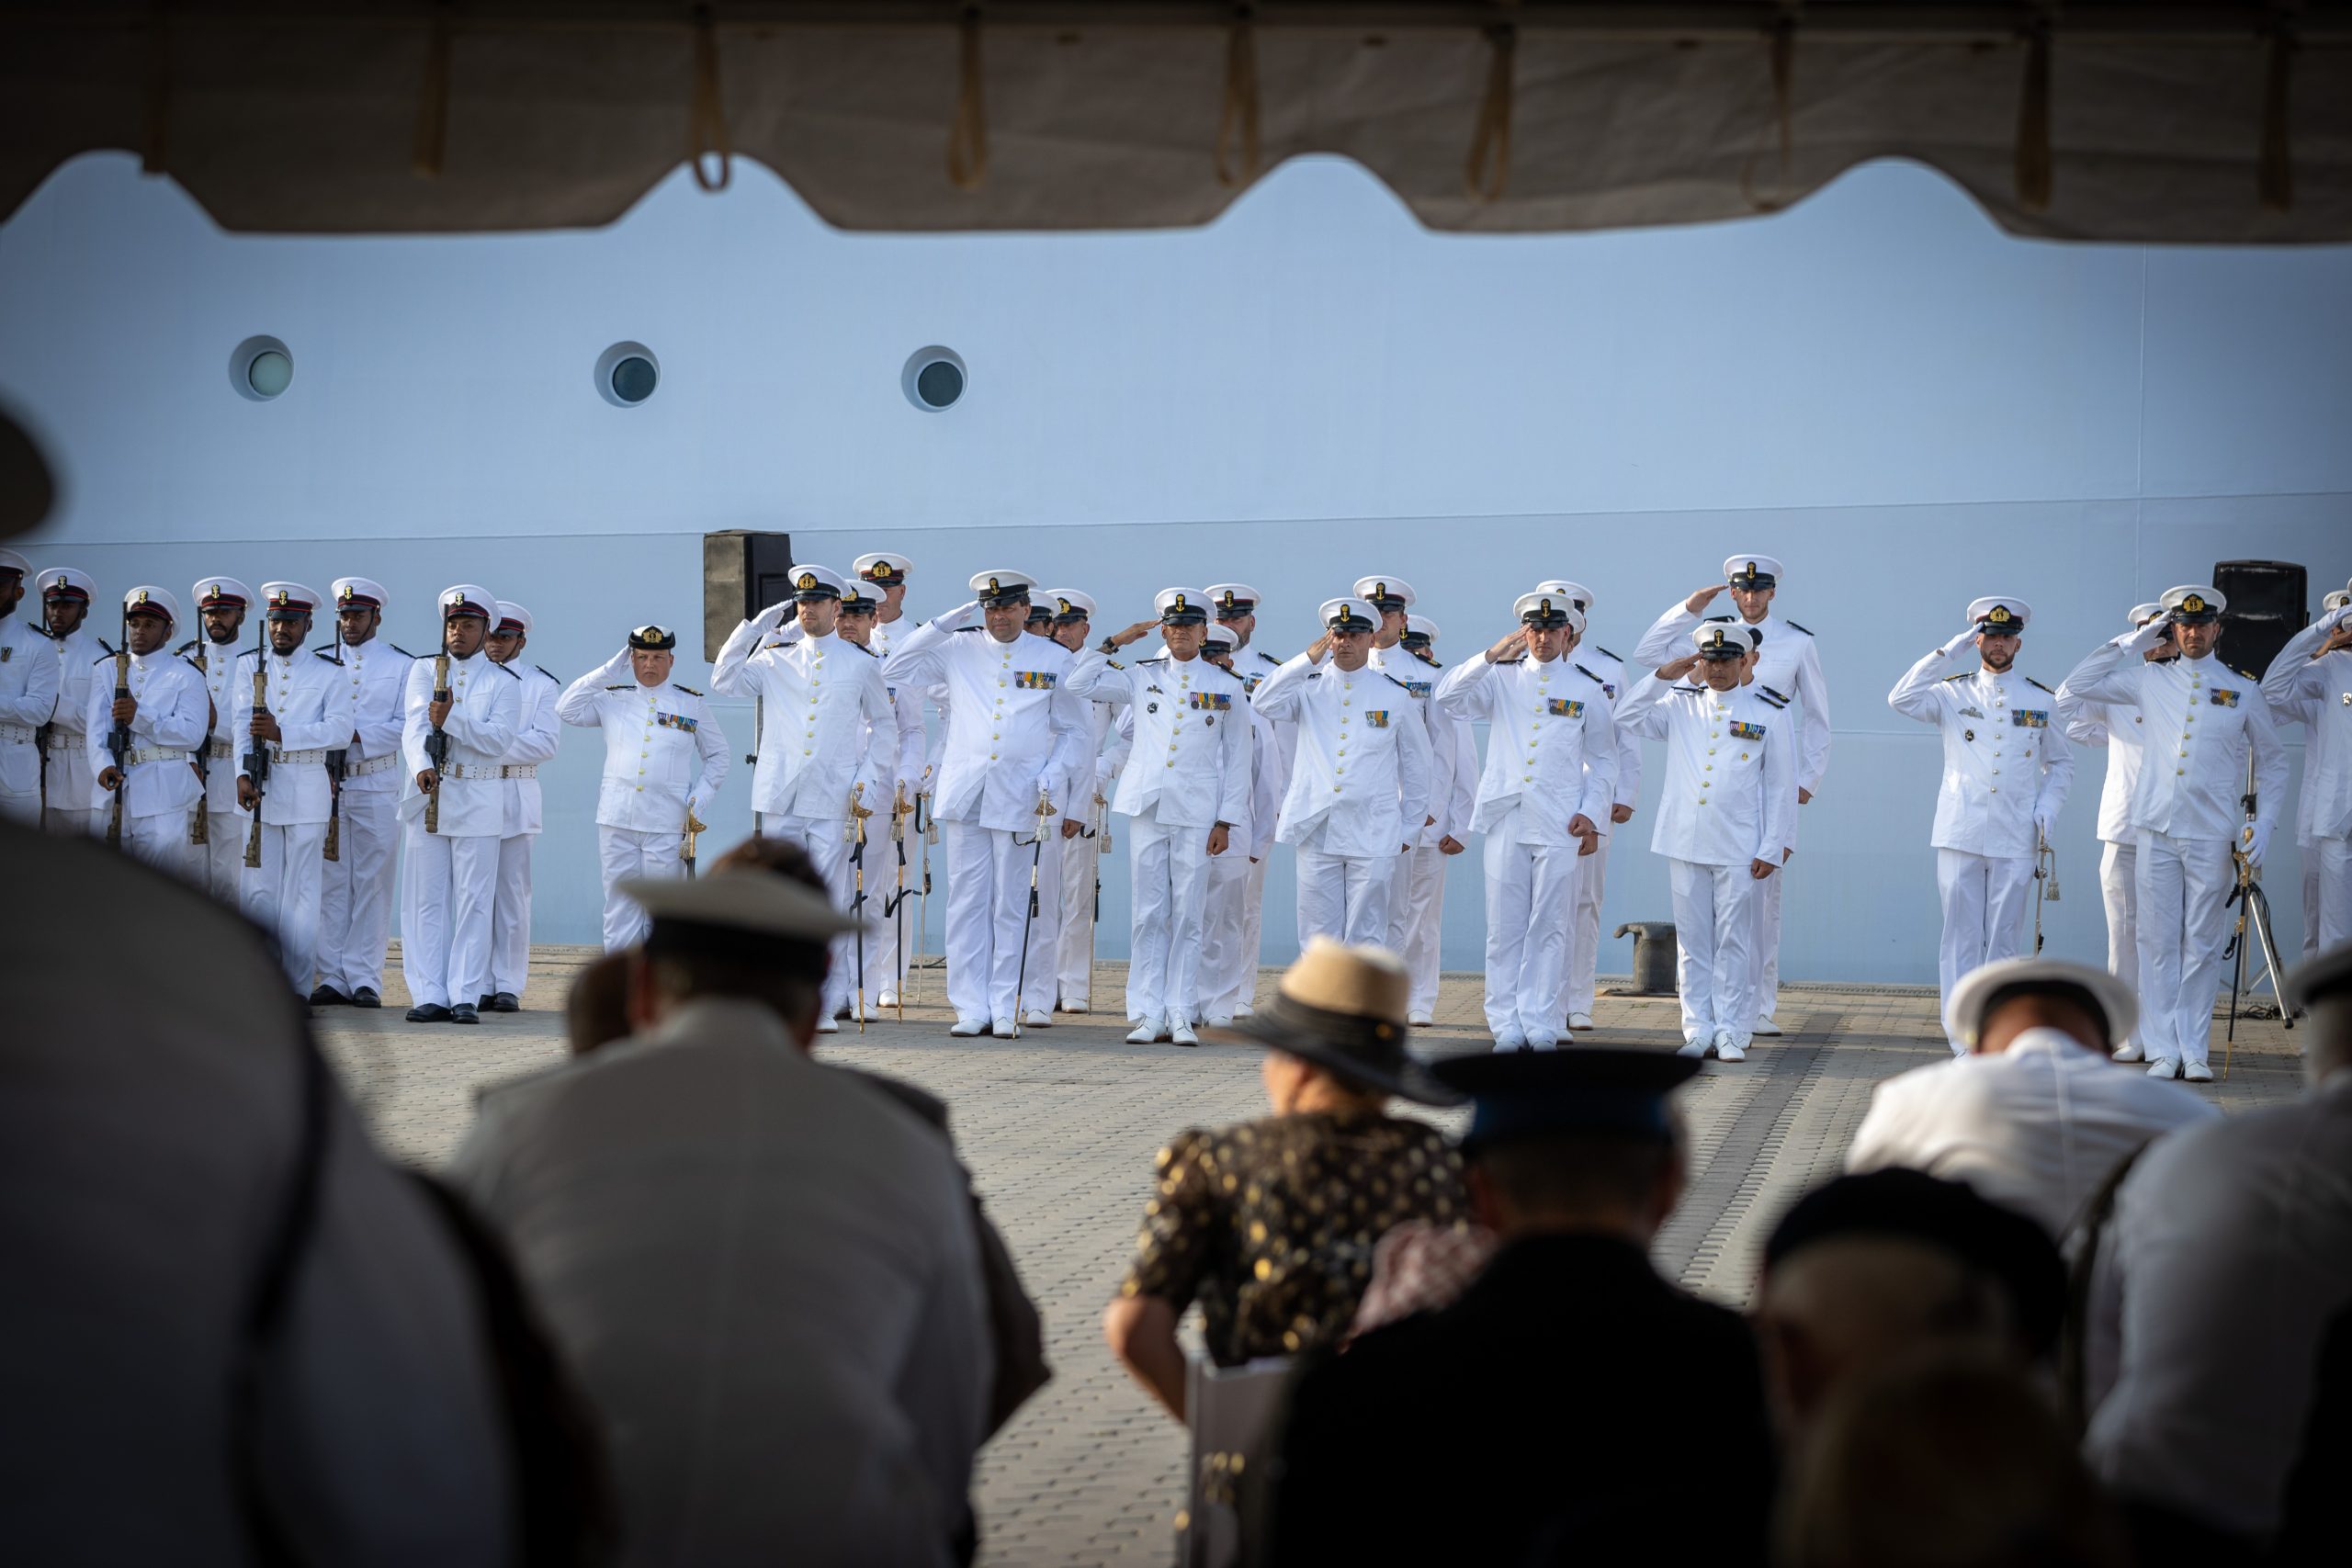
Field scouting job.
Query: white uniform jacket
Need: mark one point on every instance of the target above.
(310, 699)
(378, 674)
(1265, 797)
(2202, 719)
(2006, 764)
(1253, 666)
(164, 732)
(1551, 744)
(1787, 661)
(2321, 690)
(217, 664)
(28, 679)
(821, 695)
(1730, 794)
(1362, 768)
(648, 789)
(1617, 678)
(1193, 736)
(1011, 725)
(536, 733)
(2121, 730)
(486, 699)
(1453, 748)
(71, 785)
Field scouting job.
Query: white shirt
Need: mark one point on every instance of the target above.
(1253, 666)
(2006, 762)
(164, 732)
(1730, 795)
(2037, 1127)
(2319, 691)
(380, 673)
(820, 696)
(1360, 782)
(485, 700)
(1453, 748)
(70, 784)
(2230, 1249)
(652, 735)
(1551, 744)
(536, 736)
(217, 663)
(1189, 761)
(1012, 727)
(1616, 678)
(310, 699)
(2202, 718)
(1786, 662)
(2122, 731)
(28, 679)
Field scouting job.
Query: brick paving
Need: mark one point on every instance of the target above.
(1059, 1129)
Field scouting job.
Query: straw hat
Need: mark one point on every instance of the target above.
(1344, 1007)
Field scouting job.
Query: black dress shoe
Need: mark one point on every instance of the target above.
(429, 1012)
(461, 1014)
(328, 997)
(366, 997)
(485, 1002)
(504, 1002)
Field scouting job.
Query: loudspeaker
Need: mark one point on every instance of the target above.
(2266, 600)
(743, 573)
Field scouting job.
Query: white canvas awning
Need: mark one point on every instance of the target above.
(2091, 120)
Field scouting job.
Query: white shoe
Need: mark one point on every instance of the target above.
(1580, 1020)
(1418, 1019)
(1765, 1026)
(1729, 1050)
(964, 1028)
(1541, 1041)
(1180, 1032)
(2198, 1072)
(886, 997)
(2164, 1067)
(1002, 1028)
(1036, 1018)
(1078, 1006)
(2127, 1052)
(1219, 1021)
(1511, 1039)
(825, 1024)
(1698, 1048)
(1242, 1009)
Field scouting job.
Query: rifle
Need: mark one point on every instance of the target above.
(338, 759)
(118, 738)
(437, 745)
(200, 829)
(40, 747)
(1037, 858)
(258, 760)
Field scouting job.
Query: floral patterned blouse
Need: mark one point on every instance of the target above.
(1270, 1224)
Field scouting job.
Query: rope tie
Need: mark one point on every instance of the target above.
(433, 98)
(706, 112)
(1239, 115)
(2034, 160)
(967, 132)
(155, 141)
(1487, 169)
(2276, 179)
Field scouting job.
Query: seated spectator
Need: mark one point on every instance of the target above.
(1567, 1404)
(764, 1270)
(1270, 1224)
(595, 1011)
(1867, 1270)
(2228, 1256)
(1954, 1462)
(2036, 1116)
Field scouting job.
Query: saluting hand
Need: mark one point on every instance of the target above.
(1510, 647)
(1697, 604)
(1679, 669)
(1133, 634)
(1319, 648)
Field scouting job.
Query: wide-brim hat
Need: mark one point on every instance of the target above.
(2110, 997)
(1344, 1007)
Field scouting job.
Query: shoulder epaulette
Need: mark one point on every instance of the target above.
(2243, 674)
(1690, 691)
(1962, 676)
(961, 630)
(1780, 697)
(181, 649)
(1606, 654)
(1430, 661)
(404, 652)
(862, 649)
(504, 669)
(109, 646)
(102, 658)
(624, 686)
(1514, 658)
(1141, 662)
(1396, 683)
(548, 673)
(1712, 619)
(688, 690)
(330, 658)
(2039, 686)
(249, 653)
(1264, 655)
(1808, 630)
(1591, 676)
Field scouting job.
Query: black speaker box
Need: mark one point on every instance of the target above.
(2267, 601)
(743, 573)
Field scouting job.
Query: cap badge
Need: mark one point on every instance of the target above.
(214, 591)
(807, 580)
(2000, 615)
(1546, 607)
(281, 597)
(2193, 604)
(992, 587)
(1380, 591)
(1228, 598)
(141, 599)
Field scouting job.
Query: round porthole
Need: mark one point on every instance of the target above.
(261, 368)
(626, 374)
(935, 378)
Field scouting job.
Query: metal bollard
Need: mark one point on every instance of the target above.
(1655, 951)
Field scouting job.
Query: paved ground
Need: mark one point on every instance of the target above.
(1060, 1130)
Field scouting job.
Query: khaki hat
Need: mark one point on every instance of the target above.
(1344, 1007)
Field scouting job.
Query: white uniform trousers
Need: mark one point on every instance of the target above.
(2116, 872)
(21, 806)
(988, 904)
(1584, 937)
(281, 894)
(885, 956)
(220, 861)
(1416, 911)
(1169, 870)
(1253, 935)
(1073, 952)
(447, 892)
(2334, 858)
(626, 852)
(1229, 969)
(1713, 928)
(830, 852)
(2184, 924)
(69, 820)
(1764, 947)
(1984, 900)
(1530, 895)
(161, 840)
(354, 893)
(1344, 896)
(510, 918)
(2311, 902)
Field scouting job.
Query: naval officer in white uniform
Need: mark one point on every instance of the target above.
(1082, 847)
(1234, 607)
(306, 712)
(2311, 679)
(1012, 757)
(1550, 772)
(219, 862)
(1360, 781)
(68, 789)
(537, 733)
(2007, 771)
(1592, 874)
(1787, 665)
(892, 754)
(1184, 790)
(1228, 967)
(1723, 820)
(165, 713)
(2121, 730)
(355, 904)
(28, 678)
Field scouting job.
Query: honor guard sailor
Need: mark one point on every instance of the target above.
(1360, 781)
(893, 752)
(1592, 873)
(160, 722)
(1233, 984)
(1185, 786)
(649, 801)
(1058, 850)
(306, 712)
(2315, 804)
(816, 773)
(535, 734)
(1550, 772)
(29, 682)
(2190, 816)
(2007, 770)
(1788, 666)
(2121, 730)
(1010, 763)
(221, 604)
(1227, 971)
(1081, 851)
(2310, 680)
(453, 804)
(1723, 820)
(355, 902)
(68, 789)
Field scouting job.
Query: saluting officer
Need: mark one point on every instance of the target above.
(894, 754)
(650, 796)
(885, 572)
(29, 682)
(220, 861)
(2190, 816)
(1730, 787)
(535, 734)
(1010, 765)
(816, 772)
(1185, 786)
(1228, 972)
(1234, 606)
(2310, 680)
(1360, 781)
(1592, 872)
(451, 885)
(1082, 832)
(355, 899)
(308, 713)
(2121, 730)
(67, 788)
(1787, 665)
(164, 713)
(1550, 772)
(2007, 770)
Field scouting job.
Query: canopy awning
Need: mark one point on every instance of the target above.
(2090, 120)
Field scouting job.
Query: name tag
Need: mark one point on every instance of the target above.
(2224, 698)
(2029, 719)
(675, 721)
(1376, 717)
(1564, 707)
(1033, 680)
(1746, 732)
(1217, 702)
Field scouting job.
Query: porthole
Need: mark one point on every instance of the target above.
(261, 368)
(935, 378)
(626, 374)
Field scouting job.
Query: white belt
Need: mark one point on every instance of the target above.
(520, 771)
(157, 754)
(217, 748)
(472, 771)
(16, 734)
(317, 754)
(367, 765)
